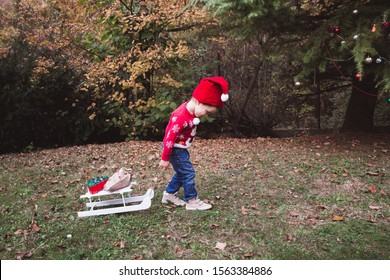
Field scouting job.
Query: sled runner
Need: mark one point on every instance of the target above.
(123, 203)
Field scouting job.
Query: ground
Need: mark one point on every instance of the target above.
(308, 197)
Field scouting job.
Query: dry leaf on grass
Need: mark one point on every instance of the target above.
(320, 207)
(19, 231)
(220, 246)
(34, 226)
(337, 218)
(244, 211)
(372, 189)
(179, 250)
(21, 256)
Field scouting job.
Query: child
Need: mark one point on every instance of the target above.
(210, 94)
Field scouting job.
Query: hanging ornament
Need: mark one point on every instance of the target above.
(368, 60)
(333, 29)
(373, 29)
(355, 37)
(358, 76)
(355, 12)
(378, 60)
(385, 25)
(297, 83)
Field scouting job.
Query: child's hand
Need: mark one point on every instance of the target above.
(164, 164)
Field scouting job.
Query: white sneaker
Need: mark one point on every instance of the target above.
(197, 204)
(171, 197)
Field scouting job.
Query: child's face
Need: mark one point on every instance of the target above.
(204, 110)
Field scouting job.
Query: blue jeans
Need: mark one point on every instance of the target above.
(185, 174)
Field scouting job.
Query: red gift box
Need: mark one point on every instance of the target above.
(98, 187)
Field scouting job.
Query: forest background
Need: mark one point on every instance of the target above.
(78, 71)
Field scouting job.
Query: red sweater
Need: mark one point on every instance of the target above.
(180, 131)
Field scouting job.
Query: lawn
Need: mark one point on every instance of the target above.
(301, 198)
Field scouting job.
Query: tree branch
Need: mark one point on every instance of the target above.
(130, 9)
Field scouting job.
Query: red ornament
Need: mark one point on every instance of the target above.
(333, 29)
(358, 76)
(385, 25)
(373, 29)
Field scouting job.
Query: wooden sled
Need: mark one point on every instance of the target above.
(125, 203)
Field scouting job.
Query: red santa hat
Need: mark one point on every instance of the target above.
(212, 91)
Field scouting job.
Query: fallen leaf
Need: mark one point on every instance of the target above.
(372, 189)
(19, 231)
(179, 250)
(122, 244)
(375, 207)
(244, 211)
(248, 255)
(372, 173)
(35, 227)
(220, 246)
(138, 258)
(288, 237)
(339, 240)
(383, 193)
(21, 256)
(320, 207)
(337, 218)
(214, 226)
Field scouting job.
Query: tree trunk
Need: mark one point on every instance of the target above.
(360, 112)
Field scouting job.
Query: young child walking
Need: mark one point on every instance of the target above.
(208, 96)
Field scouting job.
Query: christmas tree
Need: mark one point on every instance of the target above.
(343, 42)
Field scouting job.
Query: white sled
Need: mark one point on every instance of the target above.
(123, 203)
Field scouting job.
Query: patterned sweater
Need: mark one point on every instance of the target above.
(180, 131)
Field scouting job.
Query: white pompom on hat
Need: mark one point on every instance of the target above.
(212, 91)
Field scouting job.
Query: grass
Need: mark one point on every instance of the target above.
(272, 199)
